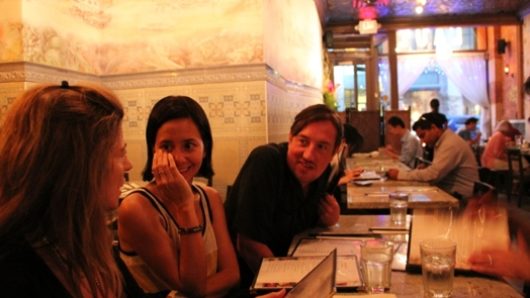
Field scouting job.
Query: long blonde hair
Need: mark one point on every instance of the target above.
(55, 146)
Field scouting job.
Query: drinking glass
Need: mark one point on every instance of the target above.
(398, 207)
(438, 267)
(376, 264)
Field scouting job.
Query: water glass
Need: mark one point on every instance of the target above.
(438, 267)
(376, 265)
(398, 207)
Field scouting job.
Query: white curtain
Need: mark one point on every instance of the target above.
(384, 77)
(409, 69)
(468, 74)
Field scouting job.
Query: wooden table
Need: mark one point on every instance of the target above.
(421, 195)
(375, 195)
(405, 284)
(375, 163)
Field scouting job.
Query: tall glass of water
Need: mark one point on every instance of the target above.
(398, 207)
(376, 264)
(438, 267)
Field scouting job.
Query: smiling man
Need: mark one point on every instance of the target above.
(454, 167)
(280, 190)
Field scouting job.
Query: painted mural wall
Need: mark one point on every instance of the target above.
(107, 37)
(150, 35)
(293, 40)
(10, 31)
(62, 34)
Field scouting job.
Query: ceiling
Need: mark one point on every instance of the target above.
(339, 17)
(401, 12)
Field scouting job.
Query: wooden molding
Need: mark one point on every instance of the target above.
(433, 21)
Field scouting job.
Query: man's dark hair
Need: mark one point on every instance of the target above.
(428, 119)
(435, 104)
(353, 138)
(471, 120)
(396, 121)
(315, 113)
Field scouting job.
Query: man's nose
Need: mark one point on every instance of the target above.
(310, 152)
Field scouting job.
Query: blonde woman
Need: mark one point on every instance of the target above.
(62, 162)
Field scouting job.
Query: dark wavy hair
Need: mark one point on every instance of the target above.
(178, 107)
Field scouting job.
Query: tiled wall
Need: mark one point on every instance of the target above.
(257, 109)
(247, 106)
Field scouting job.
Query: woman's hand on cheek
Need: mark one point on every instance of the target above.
(170, 183)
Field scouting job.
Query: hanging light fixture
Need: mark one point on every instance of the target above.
(367, 12)
(420, 6)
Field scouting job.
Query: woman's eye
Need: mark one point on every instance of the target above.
(189, 146)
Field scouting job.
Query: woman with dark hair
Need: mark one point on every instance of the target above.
(173, 234)
(62, 162)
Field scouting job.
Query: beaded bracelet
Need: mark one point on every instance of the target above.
(192, 230)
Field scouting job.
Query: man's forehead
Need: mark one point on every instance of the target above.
(320, 129)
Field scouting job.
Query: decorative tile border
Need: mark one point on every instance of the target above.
(36, 73)
(247, 105)
(31, 72)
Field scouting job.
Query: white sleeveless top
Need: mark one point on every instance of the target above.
(144, 276)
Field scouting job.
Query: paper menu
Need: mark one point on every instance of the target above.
(321, 246)
(285, 272)
(348, 249)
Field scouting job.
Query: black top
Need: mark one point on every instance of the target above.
(24, 274)
(267, 203)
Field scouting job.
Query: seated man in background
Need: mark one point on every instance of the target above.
(410, 144)
(281, 190)
(470, 133)
(428, 151)
(454, 167)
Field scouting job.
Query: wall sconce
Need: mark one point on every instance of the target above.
(506, 69)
